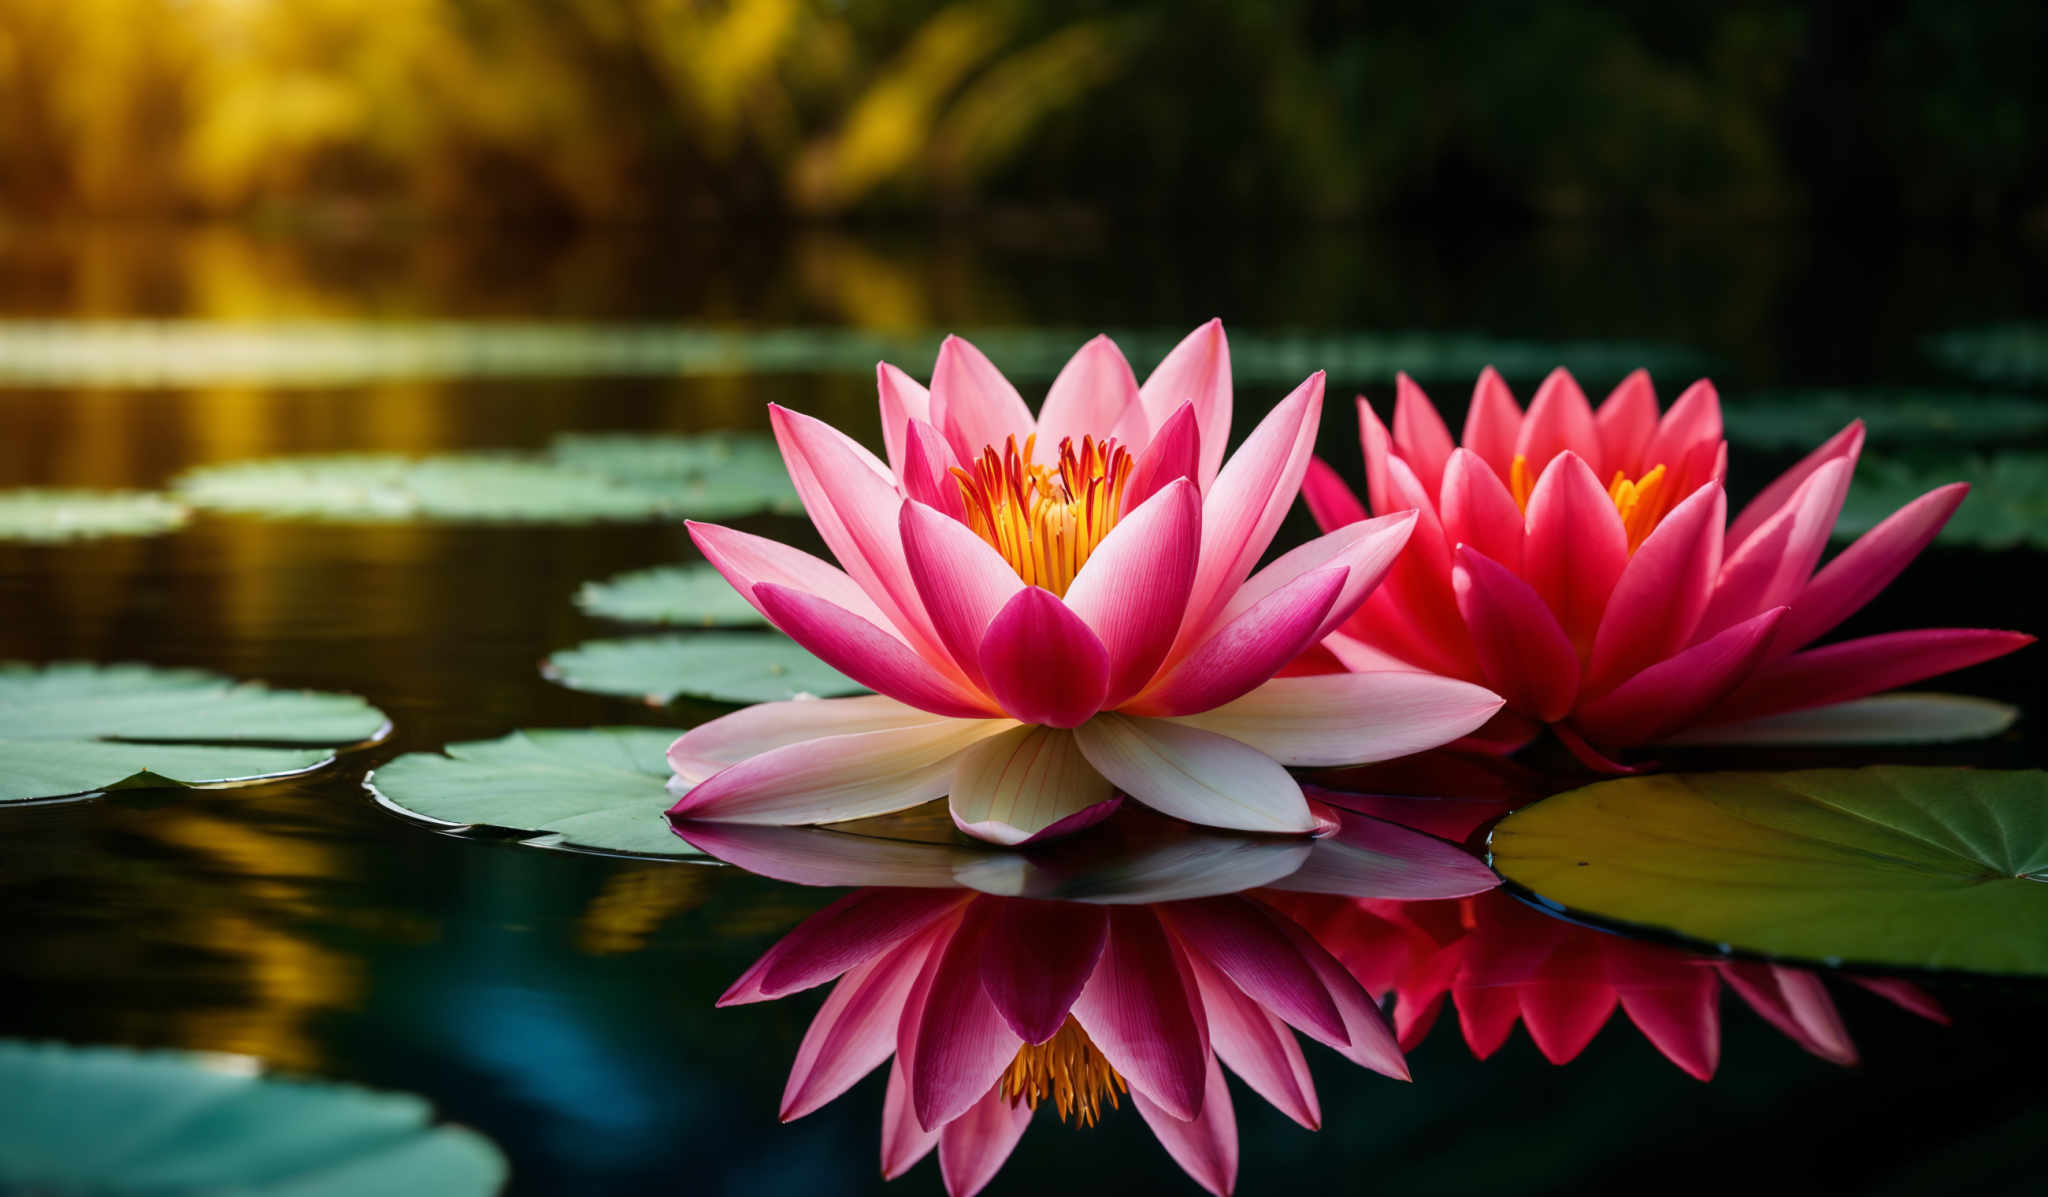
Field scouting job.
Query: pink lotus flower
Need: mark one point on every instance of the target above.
(1058, 608)
(1499, 962)
(995, 1007)
(1582, 564)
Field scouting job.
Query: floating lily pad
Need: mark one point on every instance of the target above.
(602, 788)
(58, 515)
(706, 475)
(735, 667)
(79, 728)
(109, 1120)
(1896, 867)
(1908, 718)
(2007, 507)
(2012, 353)
(694, 594)
(1802, 419)
(376, 487)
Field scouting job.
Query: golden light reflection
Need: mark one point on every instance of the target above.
(634, 903)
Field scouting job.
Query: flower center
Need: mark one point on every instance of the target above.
(1069, 1069)
(1640, 501)
(1045, 520)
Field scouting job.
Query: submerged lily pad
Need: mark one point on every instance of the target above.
(80, 728)
(380, 487)
(2000, 353)
(693, 594)
(110, 1120)
(735, 667)
(1802, 419)
(2007, 507)
(58, 515)
(601, 788)
(1895, 867)
(705, 475)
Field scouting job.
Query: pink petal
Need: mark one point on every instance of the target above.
(1477, 510)
(1487, 1016)
(815, 856)
(903, 399)
(730, 739)
(1194, 775)
(1257, 1046)
(1246, 503)
(1175, 452)
(1248, 650)
(1042, 663)
(1367, 548)
(1845, 444)
(954, 1041)
(1493, 424)
(927, 470)
(1377, 444)
(973, 404)
(972, 1147)
(1205, 1147)
(1093, 391)
(1560, 420)
(1853, 668)
(1674, 692)
(1905, 995)
(1626, 421)
(1038, 958)
(1019, 786)
(1681, 1021)
(834, 778)
(1419, 433)
(1197, 371)
(1133, 589)
(961, 581)
(1141, 1014)
(1373, 858)
(1694, 422)
(1661, 594)
(1368, 1038)
(747, 560)
(867, 654)
(1576, 548)
(1865, 568)
(1563, 1016)
(1525, 653)
(853, 931)
(1773, 566)
(1330, 501)
(1241, 939)
(855, 1030)
(1794, 1001)
(904, 1142)
(1325, 720)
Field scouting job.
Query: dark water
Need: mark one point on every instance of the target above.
(561, 1003)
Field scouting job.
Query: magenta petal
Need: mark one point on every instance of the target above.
(1905, 995)
(1042, 662)
(847, 933)
(1486, 1015)
(1133, 589)
(1368, 1036)
(1853, 668)
(1368, 549)
(1196, 371)
(1240, 939)
(1038, 957)
(973, 404)
(1693, 423)
(1558, 420)
(927, 467)
(1660, 596)
(1206, 1146)
(962, 582)
(751, 731)
(1670, 694)
(1330, 502)
(1138, 1010)
(956, 1042)
(1682, 1021)
(1493, 424)
(1419, 433)
(1865, 568)
(903, 399)
(1477, 510)
(1175, 452)
(1627, 420)
(1576, 548)
(972, 1147)
(1775, 563)
(747, 560)
(1526, 655)
(1797, 1003)
(1377, 445)
(855, 1029)
(904, 1142)
(1257, 1046)
(1847, 443)
(1089, 397)
(1249, 649)
(866, 653)
(1563, 1016)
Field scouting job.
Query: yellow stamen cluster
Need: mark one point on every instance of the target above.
(1640, 502)
(1069, 1069)
(1045, 520)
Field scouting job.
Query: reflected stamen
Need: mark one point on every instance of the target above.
(1045, 521)
(1069, 1069)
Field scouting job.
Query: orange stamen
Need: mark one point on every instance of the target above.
(1045, 521)
(1640, 502)
(1069, 1069)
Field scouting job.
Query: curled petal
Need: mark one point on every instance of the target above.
(1661, 594)
(1773, 566)
(1847, 443)
(1249, 649)
(1324, 720)
(1175, 452)
(1026, 784)
(1367, 548)
(1195, 775)
(1042, 663)
(1197, 371)
(927, 467)
(1133, 589)
(1088, 398)
(867, 654)
(1797, 1003)
(834, 778)
(972, 403)
(1522, 648)
(1859, 572)
(747, 560)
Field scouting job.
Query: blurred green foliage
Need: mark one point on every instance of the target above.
(603, 109)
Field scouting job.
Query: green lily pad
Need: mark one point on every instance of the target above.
(1799, 420)
(59, 515)
(693, 594)
(734, 667)
(706, 476)
(1912, 717)
(1891, 867)
(373, 487)
(76, 728)
(110, 1120)
(2007, 507)
(601, 788)
(2010, 353)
